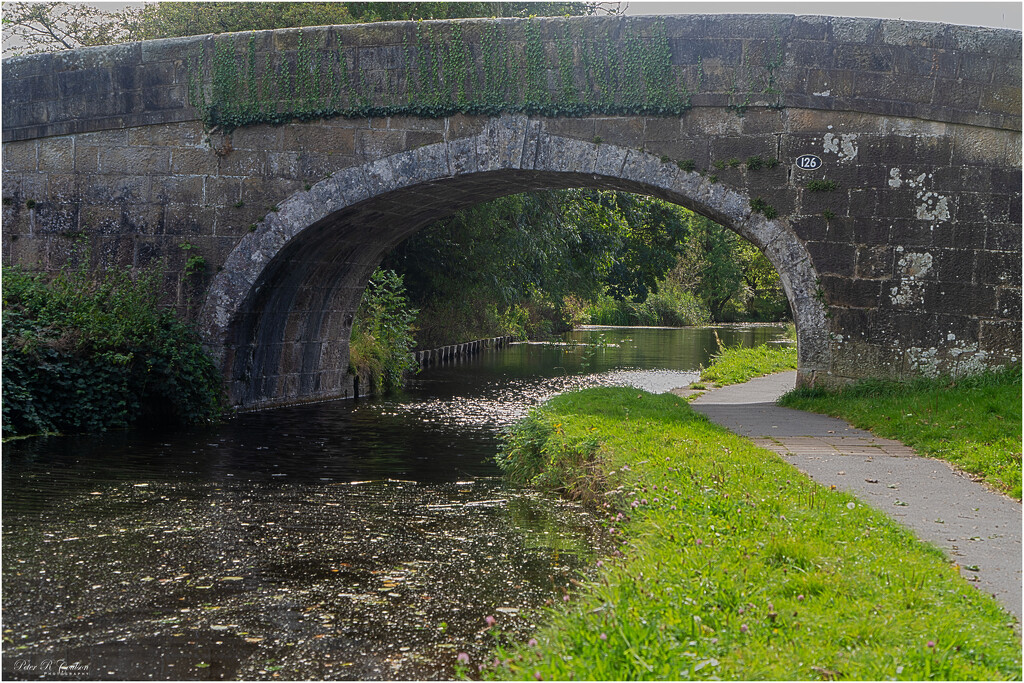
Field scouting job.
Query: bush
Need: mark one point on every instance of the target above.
(87, 352)
(381, 342)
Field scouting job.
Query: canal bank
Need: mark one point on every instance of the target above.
(734, 565)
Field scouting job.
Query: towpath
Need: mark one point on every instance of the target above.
(979, 529)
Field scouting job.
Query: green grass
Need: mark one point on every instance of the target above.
(736, 364)
(733, 565)
(973, 422)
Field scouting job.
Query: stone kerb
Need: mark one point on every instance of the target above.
(513, 144)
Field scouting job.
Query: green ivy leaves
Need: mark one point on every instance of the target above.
(441, 73)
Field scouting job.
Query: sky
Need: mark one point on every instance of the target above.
(997, 14)
(994, 14)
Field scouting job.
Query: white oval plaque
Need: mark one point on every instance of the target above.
(808, 162)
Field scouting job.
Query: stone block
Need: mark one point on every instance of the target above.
(832, 258)
(1002, 338)
(57, 154)
(819, 202)
(851, 292)
(1001, 98)
(19, 156)
(958, 94)
(624, 131)
(139, 160)
(1008, 303)
(27, 252)
(954, 265)
(461, 125)
(313, 136)
(114, 252)
(377, 144)
(1003, 237)
(194, 161)
(874, 263)
(109, 189)
(973, 145)
(177, 190)
(188, 221)
(245, 163)
(959, 235)
(998, 268)
(962, 298)
(104, 220)
(185, 134)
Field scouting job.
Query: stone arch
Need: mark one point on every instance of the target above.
(278, 315)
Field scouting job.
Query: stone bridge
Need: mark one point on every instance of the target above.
(876, 163)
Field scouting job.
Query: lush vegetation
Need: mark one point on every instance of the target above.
(51, 26)
(381, 341)
(533, 264)
(736, 364)
(89, 352)
(730, 564)
(973, 422)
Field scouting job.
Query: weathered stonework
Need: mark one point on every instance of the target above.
(911, 264)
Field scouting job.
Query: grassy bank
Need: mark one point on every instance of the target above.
(973, 422)
(735, 365)
(733, 565)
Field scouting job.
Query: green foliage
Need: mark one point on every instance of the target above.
(672, 306)
(730, 277)
(381, 341)
(88, 352)
(596, 75)
(687, 165)
(822, 185)
(524, 254)
(973, 422)
(759, 205)
(536, 451)
(731, 564)
(736, 364)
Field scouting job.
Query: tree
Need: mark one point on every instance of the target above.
(30, 27)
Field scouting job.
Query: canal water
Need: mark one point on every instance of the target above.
(360, 539)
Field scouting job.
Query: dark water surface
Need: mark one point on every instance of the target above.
(343, 540)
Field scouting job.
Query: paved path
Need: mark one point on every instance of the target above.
(979, 529)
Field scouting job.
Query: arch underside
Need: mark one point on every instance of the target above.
(279, 315)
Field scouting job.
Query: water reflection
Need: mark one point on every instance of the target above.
(346, 540)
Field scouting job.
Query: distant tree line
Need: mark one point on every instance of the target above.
(30, 27)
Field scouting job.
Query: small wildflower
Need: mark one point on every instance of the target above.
(463, 658)
(743, 628)
(698, 542)
(600, 563)
(565, 598)
(634, 504)
(673, 507)
(603, 636)
(643, 501)
(537, 676)
(490, 620)
(532, 642)
(800, 598)
(931, 644)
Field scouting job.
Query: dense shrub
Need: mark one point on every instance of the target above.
(381, 340)
(87, 352)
